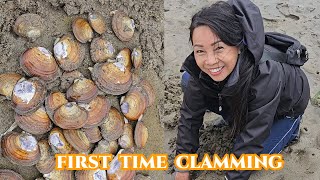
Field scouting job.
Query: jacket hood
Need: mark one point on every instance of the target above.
(251, 20)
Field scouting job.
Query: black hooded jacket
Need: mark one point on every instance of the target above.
(277, 90)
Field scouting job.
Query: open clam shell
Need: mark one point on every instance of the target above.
(28, 95)
(101, 50)
(115, 172)
(47, 162)
(70, 116)
(112, 127)
(7, 83)
(126, 139)
(93, 134)
(20, 148)
(123, 26)
(59, 175)
(91, 175)
(97, 22)
(68, 53)
(136, 57)
(111, 78)
(134, 103)
(82, 90)
(39, 62)
(106, 147)
(98, 110)
(29, 25)
(78, 139)
(140, 134)
(35, 123)
(54, 101)
(82, 30)
(58, 142)
(8, 174)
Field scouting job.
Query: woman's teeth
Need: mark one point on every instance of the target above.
(216, 70)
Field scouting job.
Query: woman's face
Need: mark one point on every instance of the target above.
(213, 57)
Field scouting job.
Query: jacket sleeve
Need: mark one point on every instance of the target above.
(262, 107)
(192, 111)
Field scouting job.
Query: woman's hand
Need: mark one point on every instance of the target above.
(182, 176)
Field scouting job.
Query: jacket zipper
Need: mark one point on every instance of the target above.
(220, 102)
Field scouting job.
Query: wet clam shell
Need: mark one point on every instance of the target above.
(124, 57)
(78, 139)
(93, 134)
(115, 172)
(20, 148)
(54, 101)
(140, 134)
(58, 142)
(101, 50)
(134, 103)
(68, 53)
(126, 140)
(70, 116)
(149, 92)
(112, 79)
(28, 95)
(123, 26)
(97, 22)
(82, 30)
(47, 161)
(91, 175)
(98, 110)
(82, 91)
(59, 175)
(136, 57)
(7, 174)
(7, 83)
(35, 123)
(106, 147)
(112, 127)
(39, 62)
(29, 25)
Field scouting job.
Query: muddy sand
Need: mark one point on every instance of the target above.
(58, 15)
(300, 19)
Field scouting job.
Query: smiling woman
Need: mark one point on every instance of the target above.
(227, 75)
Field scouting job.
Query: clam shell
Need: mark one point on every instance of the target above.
(97, 22)
(47, 161)
(111, 79)
(54, 101)
(39, 62)
(7, 83)
(123, 26)
(29, 25)
(134, 103)
(101, 50)
(148, 89)
(58, 142)
(98, 110)
(70, 116)
(126, 140)
(7, 174)
(67, 78)
(82, 30)
(124, 57)
(20, 148)
(115, 172)
(68, 53)
(140, 134)
(35, 123)
(78, 139)
(59, 175)
(93, 134)
(136, 57)
(28, 95)
(106, 147)
(82, 90)
(112, 127)
(91, 175)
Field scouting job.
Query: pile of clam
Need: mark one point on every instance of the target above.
(79, 120)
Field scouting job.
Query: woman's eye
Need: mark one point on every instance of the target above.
(199, 51)
(219, 48)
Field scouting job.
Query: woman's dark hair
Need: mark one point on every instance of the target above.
(221, 19)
